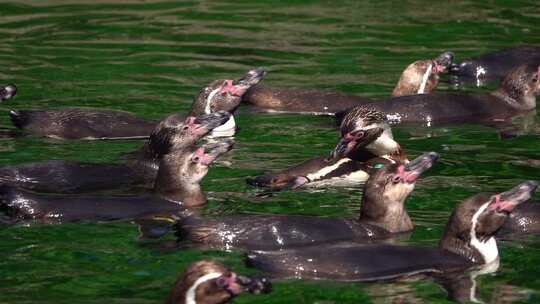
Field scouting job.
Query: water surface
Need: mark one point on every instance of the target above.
(152, 57)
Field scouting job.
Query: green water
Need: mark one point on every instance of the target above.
(151, 57)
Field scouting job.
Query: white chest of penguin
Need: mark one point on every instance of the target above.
(225, 130)
(487, 249)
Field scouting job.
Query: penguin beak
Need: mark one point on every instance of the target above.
(240, 86)
(252, 77)
(443, 62)
(210, 152)
(419, 165)
(507, 201)
(213, 120)
(355, 140)
(254, 285)
(204, 123)
(343, 147)
(277, 182)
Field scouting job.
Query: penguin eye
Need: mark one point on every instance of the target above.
(378, 166)
(396, 179)
(535, 78)
(221, 282)
(195, 159)
(185, 128)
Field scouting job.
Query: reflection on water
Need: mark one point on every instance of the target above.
(152, 57)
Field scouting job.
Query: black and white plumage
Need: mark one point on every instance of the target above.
(467, 242)
(367, 122)
(361, 117)
(382, 215)
(493, 66)
(365, 141)
(92, 123)
(61, 176)
(515, 95)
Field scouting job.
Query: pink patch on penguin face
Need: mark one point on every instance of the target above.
(229, 87)
(197, 129)
(190, 121)
(501, 205)
(201, 157)
(437, 68)
(408, 176)
(229, 283)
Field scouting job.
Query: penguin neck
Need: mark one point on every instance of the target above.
(188, 195)
(173, 187)
(145, 163)
(386, 146)
(468, 245)
(225, 130)
(160, 143)
(417, 78)
(462, 248)
(203, 105)
(380, 210)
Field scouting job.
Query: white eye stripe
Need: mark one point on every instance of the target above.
(190, 294)
(326, 170)
(207, 105)
(425, 79)
(368, 127)
(487, 249)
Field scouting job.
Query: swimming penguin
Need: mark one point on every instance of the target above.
(64, 176)
(420, 77)
(468, 241)
(360, 125)
(209, 282)
(516, 94)
(494, 66)
(320, 171)
(89, 123)
(172, 134)
(177, 187)
(382, 215)
(7, 92)
(372, 142)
